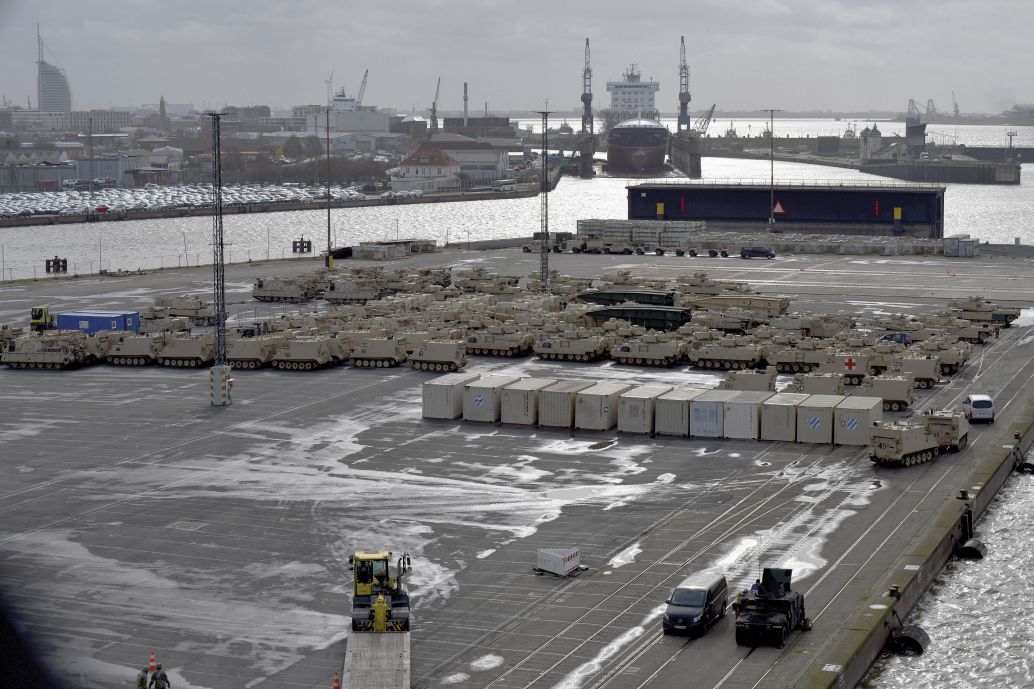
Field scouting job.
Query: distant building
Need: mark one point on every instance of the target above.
(53, 93)
(428, 169)
(482, 161)
(98, 121)
(480, 126)
(306, 110)
(38, 121)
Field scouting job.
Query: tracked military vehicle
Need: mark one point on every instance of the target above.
(572, 345)
(53, 349)
(729, 353)
(894, 390)
(198, 310)
(964, 329)
(817, 384)
(284, 289)
(902, 443)
(379, 352)
(949, 427)
(802, 356)
(926, 370)
(500, 340)
(952, 353)
(351, 291)
(253, 352)
(305, 353)
(982, 311)
(750, 381)
(439, 355)
(138, 350)
(188, 351)
(769, 615)
(650, 349)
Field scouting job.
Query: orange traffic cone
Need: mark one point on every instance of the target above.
(337, 681)
(152, 663)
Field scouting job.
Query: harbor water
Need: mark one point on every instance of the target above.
(997, 214)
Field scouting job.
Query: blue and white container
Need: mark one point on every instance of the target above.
(98, 321)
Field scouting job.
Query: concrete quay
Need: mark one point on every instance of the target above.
(138, 517)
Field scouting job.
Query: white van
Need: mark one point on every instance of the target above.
(979, 408)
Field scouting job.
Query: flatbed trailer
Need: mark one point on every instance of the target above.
(376, 661)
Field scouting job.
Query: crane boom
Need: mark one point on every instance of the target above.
(587, 127)
(684, 97)
(362, 90)
(434, 106)
(703, 121)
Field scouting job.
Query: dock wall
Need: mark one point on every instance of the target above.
(864, 635)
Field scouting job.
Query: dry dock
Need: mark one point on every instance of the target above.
(136, 517)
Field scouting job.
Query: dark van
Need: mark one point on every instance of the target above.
(696, 603)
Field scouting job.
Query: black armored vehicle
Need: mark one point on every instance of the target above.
(768, 615)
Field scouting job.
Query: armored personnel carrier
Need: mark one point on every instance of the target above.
(732, 320)
(572, 345)
(950, 427)
(284, 289)
(305, 353)
(926, 370)
(439, 355)
(500, 340)
(188, 351)
(802, 356)
(699, 284)
(894, 390)
(902, 443)
(253, 352)
(156, 319)
(351, 291)
(953, 355)
(198, 310)
(650, 349)
(812, 325)
(54, 349)
(730, 352)
(381, 352)
(963, 329)
(751, 381)
(817, 384)
(9, 333)
(769, 615)
(885, 355)
(138, 350)
(982, 311)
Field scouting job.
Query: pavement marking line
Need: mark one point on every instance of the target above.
(137, 458)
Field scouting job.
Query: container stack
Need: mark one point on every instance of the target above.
(443, 396)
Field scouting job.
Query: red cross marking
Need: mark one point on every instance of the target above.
(850, 364)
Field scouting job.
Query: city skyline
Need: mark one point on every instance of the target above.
(744, 56)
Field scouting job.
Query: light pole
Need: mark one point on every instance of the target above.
(267, 242)
(771, 167)
(186, 259)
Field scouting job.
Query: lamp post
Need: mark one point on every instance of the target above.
(771, 167)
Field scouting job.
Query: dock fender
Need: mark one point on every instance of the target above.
(1025, 468)
(909, 640)
(971, 549)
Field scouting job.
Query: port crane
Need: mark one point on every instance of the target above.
(684, 96)
(931, 107)
(700, 128)
(434, 106)
(330, 87)
(362, 90)
(587, 147)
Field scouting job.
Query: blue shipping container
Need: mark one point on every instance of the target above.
(96, 321)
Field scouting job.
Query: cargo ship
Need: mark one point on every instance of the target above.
(638, 146)
(636, 141)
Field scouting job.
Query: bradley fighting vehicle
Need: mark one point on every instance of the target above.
(48, 349)
(572, 345)
(770, 614)
(500, 340)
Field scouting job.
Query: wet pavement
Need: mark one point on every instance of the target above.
(135, 516)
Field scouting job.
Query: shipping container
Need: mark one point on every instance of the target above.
(815, 418)
(636, 408)
(596, 408)
(854, 418)
(671, 411)
(443, 396)
(559, 561)
(521, 400)
(556, 403)
(483, 399)
(743, 414)
(779, 416)
(97, 321)
(707, 413)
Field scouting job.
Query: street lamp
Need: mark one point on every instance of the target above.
(771, 167)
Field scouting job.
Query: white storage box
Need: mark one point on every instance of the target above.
(779, 416)
(482, 399)
(815, 418)
(707, 413)
(671, 411)
(556, 403)
(443, 396)
(743, 415)
(560, 561)
(521, 400)
(636, 408)
(854, 418)
(596, 408)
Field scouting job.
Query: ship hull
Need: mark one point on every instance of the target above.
(637, 149)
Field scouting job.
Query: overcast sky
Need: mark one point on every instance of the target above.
(743, 54)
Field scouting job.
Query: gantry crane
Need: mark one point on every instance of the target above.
(587, 147)
(362, 90)
(684, 96)
(434, 106)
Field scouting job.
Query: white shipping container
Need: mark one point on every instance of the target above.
(443, 396)
(596, 408)
(743, 414)
(779, 416)
(854, 418)
(636, 408)
(521, 400)
(815, 418)
(707, 413)
(482, 399)
(671, 411)
(560, 561)
(556, 403)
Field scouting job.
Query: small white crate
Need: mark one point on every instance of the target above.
(559, 561)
